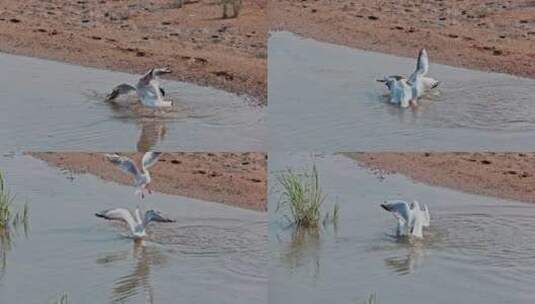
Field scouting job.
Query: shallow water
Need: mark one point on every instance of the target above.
(47, 105)
(477, 249)
(324, 97)
(212, 254)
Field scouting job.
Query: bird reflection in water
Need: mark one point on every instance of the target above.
(151, 122)
(145, 257)
(408, 261)
(152, 133)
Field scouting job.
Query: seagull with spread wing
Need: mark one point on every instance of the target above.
(405, 92)
(148, 89)
(411, 218)
(141, 177)
(136, 224)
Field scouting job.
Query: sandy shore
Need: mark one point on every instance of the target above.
(503, 175)
(133, 36)
(486, 35)
(237, 179)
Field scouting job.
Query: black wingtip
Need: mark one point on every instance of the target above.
(384, 206)
(112, 95)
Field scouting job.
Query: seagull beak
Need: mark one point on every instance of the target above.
(386, 207)
(381, 80)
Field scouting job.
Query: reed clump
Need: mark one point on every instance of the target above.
(302, 198)
(372, 299)
(10, 221)
(63, 299)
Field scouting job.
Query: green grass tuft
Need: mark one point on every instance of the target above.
(8, 217)
(302, 198)
(10, 221)
(6, 200)
(64, 299)
(372, 299)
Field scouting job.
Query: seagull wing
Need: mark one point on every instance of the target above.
(161, 71)
(155, 216)
(426, 216)
(124, 163)
(118, 214)
(399, 209)
(150, 158)
(119, 90)
(153, 74)
(396, 77)
(422, 66)
(145, 79)
(150, 93)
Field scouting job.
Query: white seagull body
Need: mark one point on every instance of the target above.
(411, 218)
(405, 92)
(142, 177)
(135, 223)
(148, 89)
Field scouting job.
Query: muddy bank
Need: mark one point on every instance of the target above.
(194, 40)
(496, 35)
(503, 175)
(232, 178)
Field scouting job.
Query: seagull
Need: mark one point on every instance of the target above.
(405, 92)
(134, 221)
(141, 178)
(147, 88)
(411, 218)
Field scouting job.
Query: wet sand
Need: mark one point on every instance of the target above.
(486, 35)
(237, 179)
(194, 41)
(502, 175)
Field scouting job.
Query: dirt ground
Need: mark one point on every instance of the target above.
(134, 36)
(503, 175)
(237, 179)
(480, 34)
